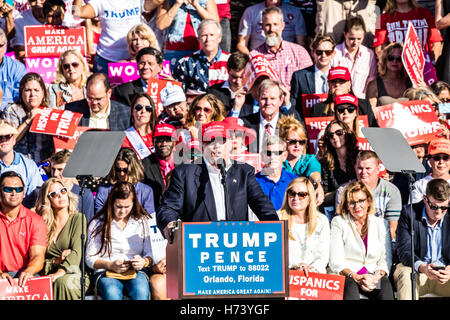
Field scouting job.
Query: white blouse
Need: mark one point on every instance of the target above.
(314, 249)
(125, 243)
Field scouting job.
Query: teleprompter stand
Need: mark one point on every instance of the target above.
(397, 156)
(93, 156)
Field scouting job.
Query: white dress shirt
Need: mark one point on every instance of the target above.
(100, 120)
(262, 127)
(320, 81)
(217, 188)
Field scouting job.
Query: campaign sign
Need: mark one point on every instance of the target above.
(165, 72)
(412, 56)
(235, 259)
(52, 41)
(121, 72)
(56, 122)
(308, 100)
(37, 288)
(68, 143)
(258, 66)
(415, 119)
(154, 89)
(315, 286)
(46, 67)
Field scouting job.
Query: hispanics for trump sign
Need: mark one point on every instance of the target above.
(56, 122)
(154, 89)
(52, 41)
(235, 259)
(38, 288)
(315, 286)
(308, 100)
(412, 56)
(415, 119)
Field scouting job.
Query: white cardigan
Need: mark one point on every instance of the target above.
(347, 249)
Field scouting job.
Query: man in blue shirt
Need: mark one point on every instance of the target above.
(11, 72)
(273, 178)
(432, 244)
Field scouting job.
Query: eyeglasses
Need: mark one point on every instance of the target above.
(361, 202)
(11, 189)
(294, 142)
(338, 132)
(275, 153)
(438, 158)
(61, 191)
(327, 52)
(350, 109)
(124, 170)
(301, 195)
(139, 107)
(66, 66)
(205, 110)
(391, 58)
(434, 207)
(2, 45)
(6, 138)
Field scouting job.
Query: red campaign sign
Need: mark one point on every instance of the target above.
(37, 288)
(315, 286)
(52, 41)
(62, 143)
(253, 159)
(154, 89)
(56, 122)
(412, 56)
(415, 119)
(308, 100)
(256, 67)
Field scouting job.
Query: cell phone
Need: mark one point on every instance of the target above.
(438, 268)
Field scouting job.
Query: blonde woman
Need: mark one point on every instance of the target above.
(69, 85)
(58, 206)
(360, 246)
(140, 36)
(309, 230)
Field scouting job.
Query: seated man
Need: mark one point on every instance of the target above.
(431, 249)
(23, 233)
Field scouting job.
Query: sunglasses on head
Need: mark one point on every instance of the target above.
(438, 158)
(275, 153)
(327, 52)
(300, 194)
(339, 133)
(61, 191)
(11, 189)
(392, 58)
(66, 66)
(341, 109)
(124, 170)
(139, 107)
(294, 142)
(434, 207)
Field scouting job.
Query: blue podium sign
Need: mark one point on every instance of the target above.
(234, 259)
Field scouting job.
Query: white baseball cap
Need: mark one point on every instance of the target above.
(172, 94)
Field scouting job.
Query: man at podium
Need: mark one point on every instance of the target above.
(196, 192)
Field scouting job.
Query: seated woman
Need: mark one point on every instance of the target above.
(202, 110)
(140, 36)
(69, 85)
(360, 247)
(346, 107)
(298, 160)
(309, 230)
(119, 246)
(58, 206)
(442, 90)
(143, 121)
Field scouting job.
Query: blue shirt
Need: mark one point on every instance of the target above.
(275, 190)
(434, 243)
(11, 72)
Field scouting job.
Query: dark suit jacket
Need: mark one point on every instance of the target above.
(125, 92)
(302, 82)
(153, 177)
(420, 235)
(364, 108)
(190, 196)
(224, 95)
(119, 117)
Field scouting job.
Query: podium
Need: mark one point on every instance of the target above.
(228, 259)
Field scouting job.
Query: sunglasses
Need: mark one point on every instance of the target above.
(392, 58)
(205, 110)
(124, 170)
(339, 133)
(6, 138)
(301, 195)
(353, 204)
(434, 208)
(139, 107)
(439, 158)
(61, 191)
(11, 189)
(294, 142)
(66, 66)
(275, 153)
(327, 52)
(350, 109)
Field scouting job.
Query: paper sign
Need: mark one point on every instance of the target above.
(52, 41)
(415, 119)
(429, 72)
(46, 67)
(165, 72)
(256, 67)
(315, 286)
(37, 288)
(308, 100)
(122, 72)
(68, 143)
(412, 56)
(56, 122)
(154, 89)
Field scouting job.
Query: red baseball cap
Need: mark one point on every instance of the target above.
(339, 72)
(212, 130)
(236, 124)
(164, 130)
(439, 145)
(346, 99)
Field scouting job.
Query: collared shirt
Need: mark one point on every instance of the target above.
(262, 128)
(17, 236)
(320, 81)
(289, 58)
(197, 73)
(11, 72)
(362, 70)
(166, 166)
(217, 188)
(144, 85)
(434, 243)
(100, 120)
(27, 169)
(275, 190)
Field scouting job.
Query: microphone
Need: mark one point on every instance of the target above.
(221, 165)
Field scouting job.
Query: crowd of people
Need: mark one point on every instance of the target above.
(224, 141)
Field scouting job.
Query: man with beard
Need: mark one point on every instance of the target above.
(286, 57)
(196, 192)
